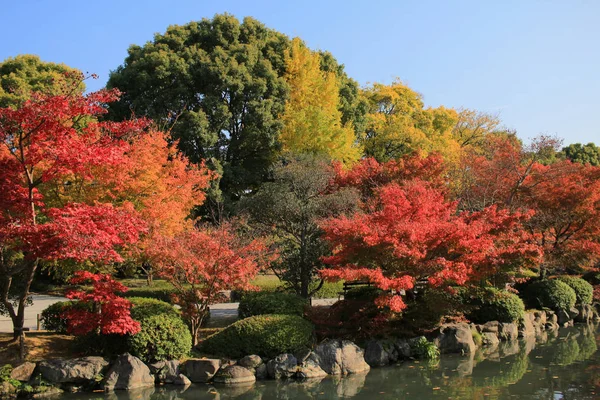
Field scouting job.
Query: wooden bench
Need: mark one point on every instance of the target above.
(350, 285)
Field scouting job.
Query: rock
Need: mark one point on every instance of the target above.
(585, 313)
(76, 370)
(261, 372)
(380, 353)
(551, 326)
(540, 317)
(455, 338)
(126, 373)
(310, 368)
(250, 362)
(573, 312)
(23, 372)
(491, 326)
(403, 349)
(182, 380)
(526, 328)
(551, 317)
(563, 317)
(7, 390)
(341, 357)
(165, 371)
(234, 374)
(508, 331)
(50, 392)
(490, 339)
(282, 367)
(201, 370)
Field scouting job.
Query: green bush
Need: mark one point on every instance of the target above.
(424, 349)
(592, 277)
(143, 307)
(496, 305)
(259, 303)
(266, 335)
(549, 293)
(51, 317)
(163, 337)
(583, 290)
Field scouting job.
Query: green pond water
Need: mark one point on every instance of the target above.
(564, 365)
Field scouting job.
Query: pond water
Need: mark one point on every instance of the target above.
(564, 365)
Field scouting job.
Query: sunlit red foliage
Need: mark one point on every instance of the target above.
(44, 144)
(202, 263)
(408, 231)
(106, 313)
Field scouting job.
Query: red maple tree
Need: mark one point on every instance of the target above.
(107, 313)
(202, 263)
(50, 142)
(409, 231)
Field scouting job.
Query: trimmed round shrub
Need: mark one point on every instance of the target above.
(260, 303)
(584, 292)
(51, 317)
(496, 305)
(143, 307)
(550, 293)
(163, 337)
(266, 335)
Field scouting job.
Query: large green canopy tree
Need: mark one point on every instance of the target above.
(26, 73)
(218, 85)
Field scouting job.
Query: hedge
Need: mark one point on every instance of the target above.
(549, 293)
(266, 335)
(584, 292)
(143, 307)
(259, 303)
(163, 337)
(51, 317)
(496, 305)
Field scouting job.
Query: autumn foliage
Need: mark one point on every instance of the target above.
(409, 231)
(202, 263)
(107, 312)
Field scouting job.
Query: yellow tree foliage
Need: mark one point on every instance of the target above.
(398, 123)
(473, 126)
(312, 119)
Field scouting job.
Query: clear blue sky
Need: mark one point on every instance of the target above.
(536, 63)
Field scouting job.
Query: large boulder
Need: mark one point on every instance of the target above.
(201, 370)
(23, 372)
(182, 380)
(283, 366)
(75, 370)
(508, 331)
(165, 371)
(234, 374)
(127, 373)
(455, 338)
(380, 353)
(310, 368)
(526, 328)
(250, 362)
(341, 357)
(585, 313)
(490, 339)
(491, 326)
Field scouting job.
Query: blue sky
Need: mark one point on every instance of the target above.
(535, 63)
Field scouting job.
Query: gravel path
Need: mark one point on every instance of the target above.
(221, 314)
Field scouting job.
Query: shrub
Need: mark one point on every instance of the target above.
(329, 290)
(366, 293)
(424, 349)
(592, 277)
(552, 294)
(259, 303)
(583, 290)
(52, 316)
(163, 337)
(143, 307)
(496, 305)
(266, 335)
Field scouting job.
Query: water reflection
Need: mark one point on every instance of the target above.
(560, 365)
